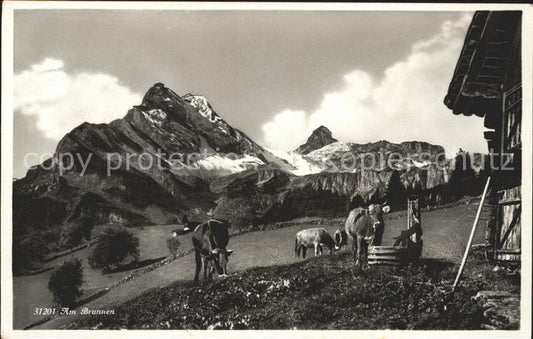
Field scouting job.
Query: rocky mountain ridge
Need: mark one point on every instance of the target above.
(174, 155)
(151, 152)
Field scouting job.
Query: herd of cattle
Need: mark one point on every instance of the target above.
(363, 227)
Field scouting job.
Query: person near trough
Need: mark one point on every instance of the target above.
(414, 248)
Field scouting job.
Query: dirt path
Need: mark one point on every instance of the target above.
(31, 291)
(445, 236)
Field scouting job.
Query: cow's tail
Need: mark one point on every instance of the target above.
(296, 248)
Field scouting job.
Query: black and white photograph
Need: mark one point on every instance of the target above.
(362, 168)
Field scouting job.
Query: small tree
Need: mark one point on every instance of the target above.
(71, 235)
(65, 283)
(86, 226)
(20, 257)
(173, 243)
(29, 251)
(114, 246)
(74, 232)
(396, 193)
(463, 176)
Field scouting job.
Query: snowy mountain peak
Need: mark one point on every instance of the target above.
(202, 105)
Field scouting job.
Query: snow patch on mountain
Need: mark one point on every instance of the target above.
(338, 147)
(202, 105)
(155, 116)
(421, 164)
(229, 164)
(300, 163)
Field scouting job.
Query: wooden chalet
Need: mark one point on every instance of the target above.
(487, 83)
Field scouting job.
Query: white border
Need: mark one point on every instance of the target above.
(7, 168)
(205, 5)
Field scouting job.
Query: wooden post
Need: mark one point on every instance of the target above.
(492, 222)
(413, 211)
(414, 224)
(469, 244)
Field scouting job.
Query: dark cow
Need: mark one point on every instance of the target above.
(341, 239)
(313, 237)
(188, 226)
(210, 240)
(365, 227)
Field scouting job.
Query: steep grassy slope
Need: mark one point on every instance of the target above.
(320, 293)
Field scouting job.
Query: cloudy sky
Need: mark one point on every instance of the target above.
(276, 75)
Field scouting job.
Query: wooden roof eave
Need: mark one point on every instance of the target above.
(478, 106)
(472, 37)
(477, 86)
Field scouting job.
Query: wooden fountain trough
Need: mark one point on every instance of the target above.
(409, 250)
(387, 255)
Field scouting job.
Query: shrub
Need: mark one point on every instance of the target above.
(114, 246)
(36, 248)
(29, 251)
(20, 257)
(463, 178)
(65, 283)
(173, 243)
(52, 238)
(86, 226)
(71, 235)
(396, 193)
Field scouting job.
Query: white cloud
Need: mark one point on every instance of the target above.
(405, 104)
(285, 137)
(62, 100)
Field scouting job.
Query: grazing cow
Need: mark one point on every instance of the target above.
(365, 227)
(341, 239)
(188, 226)
(210, 240)
(313, 237)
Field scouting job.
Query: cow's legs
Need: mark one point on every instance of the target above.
(359, 250)
(320, 249)
(205, 263)
(378, 235)
(304, 251)
(317, 247)
(365, 255)
(198, 260)
(300, 251)
(210, 271)
(354, 248)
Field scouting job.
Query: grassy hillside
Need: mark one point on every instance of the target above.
(319, 293)
(445, 234)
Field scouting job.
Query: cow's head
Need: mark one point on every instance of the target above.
(376, 212)
(340, 238)
(220, 260)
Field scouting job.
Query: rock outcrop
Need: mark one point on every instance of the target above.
(318, 139)
(501, 309)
